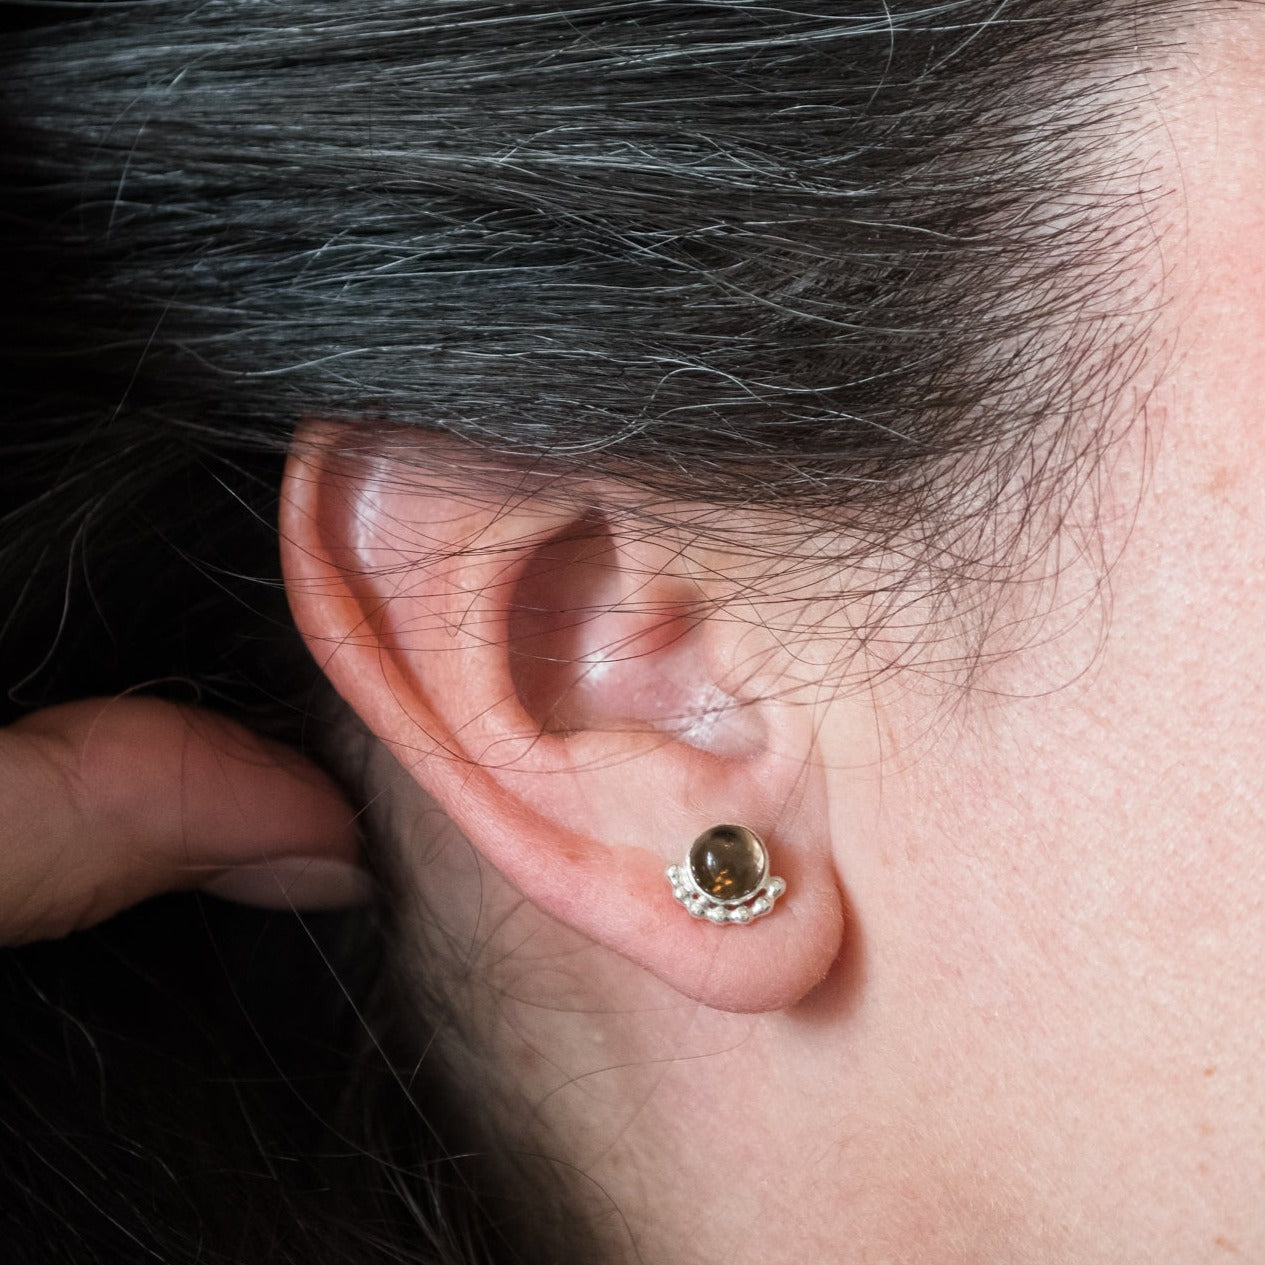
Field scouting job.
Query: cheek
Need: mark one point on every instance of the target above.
(1066, 916)
(1060, 889)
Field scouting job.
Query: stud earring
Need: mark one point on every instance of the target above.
(725, 878)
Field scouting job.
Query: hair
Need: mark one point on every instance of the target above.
(881, 267)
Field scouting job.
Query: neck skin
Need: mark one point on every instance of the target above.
(1041, 1041)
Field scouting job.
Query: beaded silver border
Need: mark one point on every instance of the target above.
(758, 905)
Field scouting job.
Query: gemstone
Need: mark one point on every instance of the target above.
(728, 863)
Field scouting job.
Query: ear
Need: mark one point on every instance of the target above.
(576, 698)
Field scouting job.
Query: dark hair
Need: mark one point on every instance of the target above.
(880, 265)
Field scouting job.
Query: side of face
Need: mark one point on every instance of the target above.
(1037, 1035)
(1062, 882)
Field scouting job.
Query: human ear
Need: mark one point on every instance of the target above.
(572, 694)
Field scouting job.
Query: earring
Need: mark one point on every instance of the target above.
(725, 878)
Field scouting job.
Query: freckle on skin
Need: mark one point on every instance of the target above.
(1225, 1245)
(1221, 481)
(1210, 1071)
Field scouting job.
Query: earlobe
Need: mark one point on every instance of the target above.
(557, 683)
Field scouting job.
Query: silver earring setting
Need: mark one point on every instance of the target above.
(725, 878)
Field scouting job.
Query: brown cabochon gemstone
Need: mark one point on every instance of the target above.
(728, 863)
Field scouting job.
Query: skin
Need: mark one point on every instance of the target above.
(1011, 1010)
(107, 801)
(1038, 1038)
